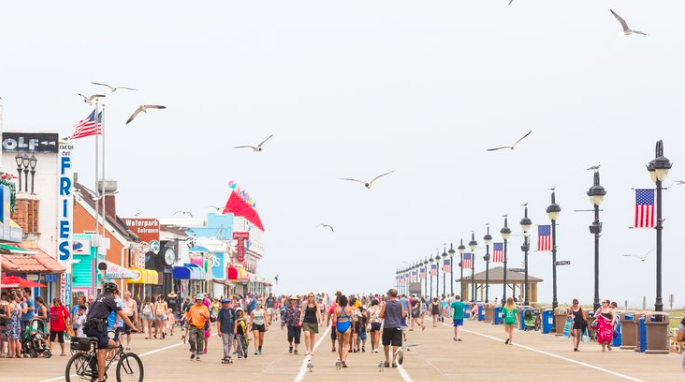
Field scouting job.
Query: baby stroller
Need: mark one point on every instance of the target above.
(530, 320)
(34, 341)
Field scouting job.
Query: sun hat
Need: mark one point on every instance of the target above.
(293, 297)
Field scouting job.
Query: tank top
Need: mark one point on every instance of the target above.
(259, 318)
(578, 316)
(375, 312)
(393, 314)
(310, 315)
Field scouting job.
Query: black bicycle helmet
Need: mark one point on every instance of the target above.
(110, 287)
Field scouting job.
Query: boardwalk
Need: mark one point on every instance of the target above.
(482, 356)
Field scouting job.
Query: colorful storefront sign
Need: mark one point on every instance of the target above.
(65, 205)
(146, 229)
(241, 237)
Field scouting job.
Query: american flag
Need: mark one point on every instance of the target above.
(86, 127)
(446, 266)
(498, 253)
(422, 272)
(544, 238)
(467, 261)
(644, 208)
(434, 269)
(413, 276)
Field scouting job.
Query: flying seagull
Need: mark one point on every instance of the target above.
(676, 183)
(644, 257)
(595, 167)
(368, 184)
(215, 208)
(112, 88)
(512, 146)
(326, 226)
(90, 99)
(257, 148)
(144, 109)
(626, 30)
(183, 213)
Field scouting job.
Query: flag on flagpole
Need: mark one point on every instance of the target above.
(544, 238)
(498, 253)
(413, 276)
(467, 261)
(86, 127)
(434, 269)
(644, 208)
(422, 273)
(446, 265)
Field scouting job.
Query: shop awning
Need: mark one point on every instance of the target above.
(144, 276)
(238, 274)
(22, 260)
(181, 273)
(188, 272)
(116, 271)
(196, 272)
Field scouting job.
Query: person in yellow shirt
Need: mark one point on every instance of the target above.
(197, 315)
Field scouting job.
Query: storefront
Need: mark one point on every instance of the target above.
(240, 279)
(189, 279)
(35, 265)
(143, 282)
(84, 268)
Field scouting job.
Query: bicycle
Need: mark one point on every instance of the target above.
(84, 364)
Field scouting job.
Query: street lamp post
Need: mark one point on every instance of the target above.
(473, 244)
(33, 161)
(425, 283)
(19, 159)
(461, 248)
(505, 231)
(658, 171)
(596, 194)
(487, 239)
(25, 162)
(444, 274)
(526, 223)
(431, 261)
(437, 274)
(553, 211)
(451, 252)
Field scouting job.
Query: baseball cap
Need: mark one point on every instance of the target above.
(225, 301)
(200, 296)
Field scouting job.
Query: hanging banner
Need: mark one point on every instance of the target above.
(241, 237)
(65, 205)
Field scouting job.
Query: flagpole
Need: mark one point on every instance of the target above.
(97, 172)
(104, 193)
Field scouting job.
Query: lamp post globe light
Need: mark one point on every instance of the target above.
(461, 248)
(451, 253)
(658, 171)
(596, 194)
(444, 274)
(505, 232)
(553, 211)
(487, 239)
(473, 244)
(526, 223)
(431, 261)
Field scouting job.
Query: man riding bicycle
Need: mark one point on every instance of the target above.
(96, 324)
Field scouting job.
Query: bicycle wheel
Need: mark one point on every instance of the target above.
(130, 368)
(78, 369)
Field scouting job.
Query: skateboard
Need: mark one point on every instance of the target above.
(567, 327)
(226, 360)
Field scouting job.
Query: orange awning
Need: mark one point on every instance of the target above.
(37, 262)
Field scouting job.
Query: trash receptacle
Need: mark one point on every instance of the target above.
(657, 324)
(489, 311)
(641, 335)
(481, 312)
(618, 335)
(467, 310)
(547, 320)
(560, 316)
(522, 317)
(497, 315)
(628, 331)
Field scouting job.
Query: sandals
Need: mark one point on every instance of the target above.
(386, 364)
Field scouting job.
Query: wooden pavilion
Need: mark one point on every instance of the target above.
(515, 284)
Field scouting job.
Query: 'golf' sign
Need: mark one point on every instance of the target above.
(65, 203)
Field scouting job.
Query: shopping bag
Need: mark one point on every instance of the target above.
(586, 336)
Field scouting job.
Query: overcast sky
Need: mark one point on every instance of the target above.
(357, 88)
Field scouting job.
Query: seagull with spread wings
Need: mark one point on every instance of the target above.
(144, 109)
(89, 99)
(113, 88)
(183, 213)
(512, 146)
(322, 225)
(643, 257)
(368, 184)
(217, 209)
(626, 30)
(257, 148)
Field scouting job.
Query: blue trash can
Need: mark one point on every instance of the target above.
(497, 315)
(481, 312)
(617, 334)
(547, 321)
(641, 335)
(467, 311)
(522, 316)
